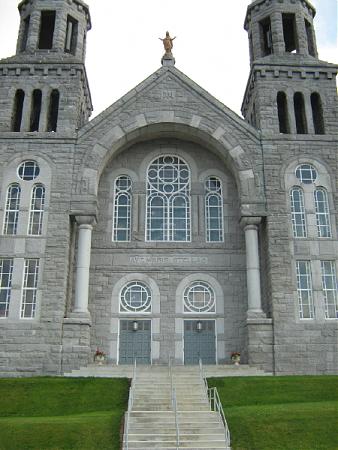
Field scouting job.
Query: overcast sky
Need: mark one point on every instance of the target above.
(211, 45)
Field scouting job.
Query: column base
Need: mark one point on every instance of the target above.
(85, 315)
(255, 314)
(260, 342)
(76, 351)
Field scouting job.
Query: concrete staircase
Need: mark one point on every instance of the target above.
(152, 423)
(152, 419)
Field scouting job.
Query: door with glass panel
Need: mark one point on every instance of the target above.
(199, 341)
(135, 342)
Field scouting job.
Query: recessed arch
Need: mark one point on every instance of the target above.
(234, 158)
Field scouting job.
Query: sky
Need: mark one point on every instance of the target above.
(211, 45)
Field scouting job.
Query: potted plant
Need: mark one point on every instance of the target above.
(236, 358)
(99, 357)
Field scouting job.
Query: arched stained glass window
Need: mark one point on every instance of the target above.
(214, 210)
(298, 212)
(122, 209)
(37, 210)
(28, 170)
(322, 213)
(199, 297)
(135, 297)
(306, 173)
(12, 209)
(168, 200)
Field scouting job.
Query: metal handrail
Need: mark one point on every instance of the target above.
(215, 404)
(174, 403)
(130, 407)
(203, 378)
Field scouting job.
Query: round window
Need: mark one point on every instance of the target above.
(135, 297)
(28, 170)
(199, 297)
(306, 173)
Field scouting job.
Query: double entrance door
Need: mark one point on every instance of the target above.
(199, 341)
(135, 342)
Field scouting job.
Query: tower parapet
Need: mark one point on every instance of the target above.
(45, 86)
(290, 90)
(53, 27)
(280, 28)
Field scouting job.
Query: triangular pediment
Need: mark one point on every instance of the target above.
(170, 92)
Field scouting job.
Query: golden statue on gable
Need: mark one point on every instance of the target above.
(168, 45)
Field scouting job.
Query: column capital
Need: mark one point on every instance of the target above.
(250, 221)
(86, 220)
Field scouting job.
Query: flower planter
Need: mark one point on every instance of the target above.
(99, 360)
(236, 360)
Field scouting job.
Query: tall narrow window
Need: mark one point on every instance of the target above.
(304, 288)
(168, 200)
(300, 116)
(310, 38)
(317, 113)
(322, 213)
(283, 119)
(18, 110)
(53, 110)
(29, 288)
(214, 210)
(329, 283)
(71, 35)
(25, 32)
(12, 209)
(290, 33)
(122, 209)
(6, 271)
(36, 210)
(47, 25)
(36, 110)
(298, 212)
(266, 36)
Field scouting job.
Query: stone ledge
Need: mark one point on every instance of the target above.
(77, 321)
(259, 321)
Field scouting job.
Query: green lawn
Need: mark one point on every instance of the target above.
(281, 413)
(264, 413)
(61, 413)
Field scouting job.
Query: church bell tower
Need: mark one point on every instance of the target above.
(290, 90)
(45, 87)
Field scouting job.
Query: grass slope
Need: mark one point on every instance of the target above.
(281, 413)
(61, 413)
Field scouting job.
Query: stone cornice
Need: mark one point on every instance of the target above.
(288, 71)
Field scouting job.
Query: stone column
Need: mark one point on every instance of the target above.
(250, 226)
(34, 29)
(259, 329)
(85, 227)
(277, 33)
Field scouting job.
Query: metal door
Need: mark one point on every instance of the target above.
(199, 341)
(135, 344)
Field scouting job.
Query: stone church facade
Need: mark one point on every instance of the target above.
(168, 226)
